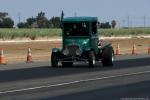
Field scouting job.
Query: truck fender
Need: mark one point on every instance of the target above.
(55, 50)
(108, 45)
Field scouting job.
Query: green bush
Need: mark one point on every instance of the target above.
(124, 32)
(28, 33)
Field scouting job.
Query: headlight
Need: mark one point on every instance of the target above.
(84, 43)
(66, 52)
(78, 52)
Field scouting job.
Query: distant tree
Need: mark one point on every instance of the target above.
(5, 21)
(31, 21)
(105, 25)
(34, 25)
(113, 23)
(22, 25)
(55, 21)
(8, 23)
(1, 23)
(42, 21)
(3, 14)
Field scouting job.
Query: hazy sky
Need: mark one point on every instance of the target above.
(105, 10)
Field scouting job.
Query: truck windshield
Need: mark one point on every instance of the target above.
(76, 29)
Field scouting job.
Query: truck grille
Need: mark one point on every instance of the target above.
(72, 50)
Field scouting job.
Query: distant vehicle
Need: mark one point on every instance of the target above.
(80, 41)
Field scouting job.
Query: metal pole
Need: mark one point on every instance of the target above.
(128, 21)
(144, 21)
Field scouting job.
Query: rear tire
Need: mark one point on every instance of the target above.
(91, 59)
(108, 57)
(54, 60)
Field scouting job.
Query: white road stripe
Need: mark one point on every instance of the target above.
(73, 82)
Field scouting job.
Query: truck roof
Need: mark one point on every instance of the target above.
(80, 19)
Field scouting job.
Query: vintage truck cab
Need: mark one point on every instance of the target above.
(80, 42)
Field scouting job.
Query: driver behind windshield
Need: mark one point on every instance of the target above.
(76, 29)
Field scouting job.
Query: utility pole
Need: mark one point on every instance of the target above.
(123, 22)
(19, 17)
(128, 21)
(75, 14)
(144, 19)
(118, 24)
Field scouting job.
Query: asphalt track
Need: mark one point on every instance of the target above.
(128, 79)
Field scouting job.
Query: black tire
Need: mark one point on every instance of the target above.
(54, 60)
(67, 64)
(91, 59)
(108, 57)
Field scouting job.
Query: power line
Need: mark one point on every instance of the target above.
(19, 17)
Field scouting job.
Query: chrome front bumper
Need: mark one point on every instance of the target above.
(72, 59)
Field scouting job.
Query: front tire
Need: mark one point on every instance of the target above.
(91, 59)
(108, 57)
(54, 60)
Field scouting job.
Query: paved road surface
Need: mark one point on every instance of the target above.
(129, 78)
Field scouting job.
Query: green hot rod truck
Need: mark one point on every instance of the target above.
(80, 42)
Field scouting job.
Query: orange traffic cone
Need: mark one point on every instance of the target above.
(118, 49)
(149, 50)
(29, 56)
(2, 57)
(134, 50)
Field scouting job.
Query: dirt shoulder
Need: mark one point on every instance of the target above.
(16, 51)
